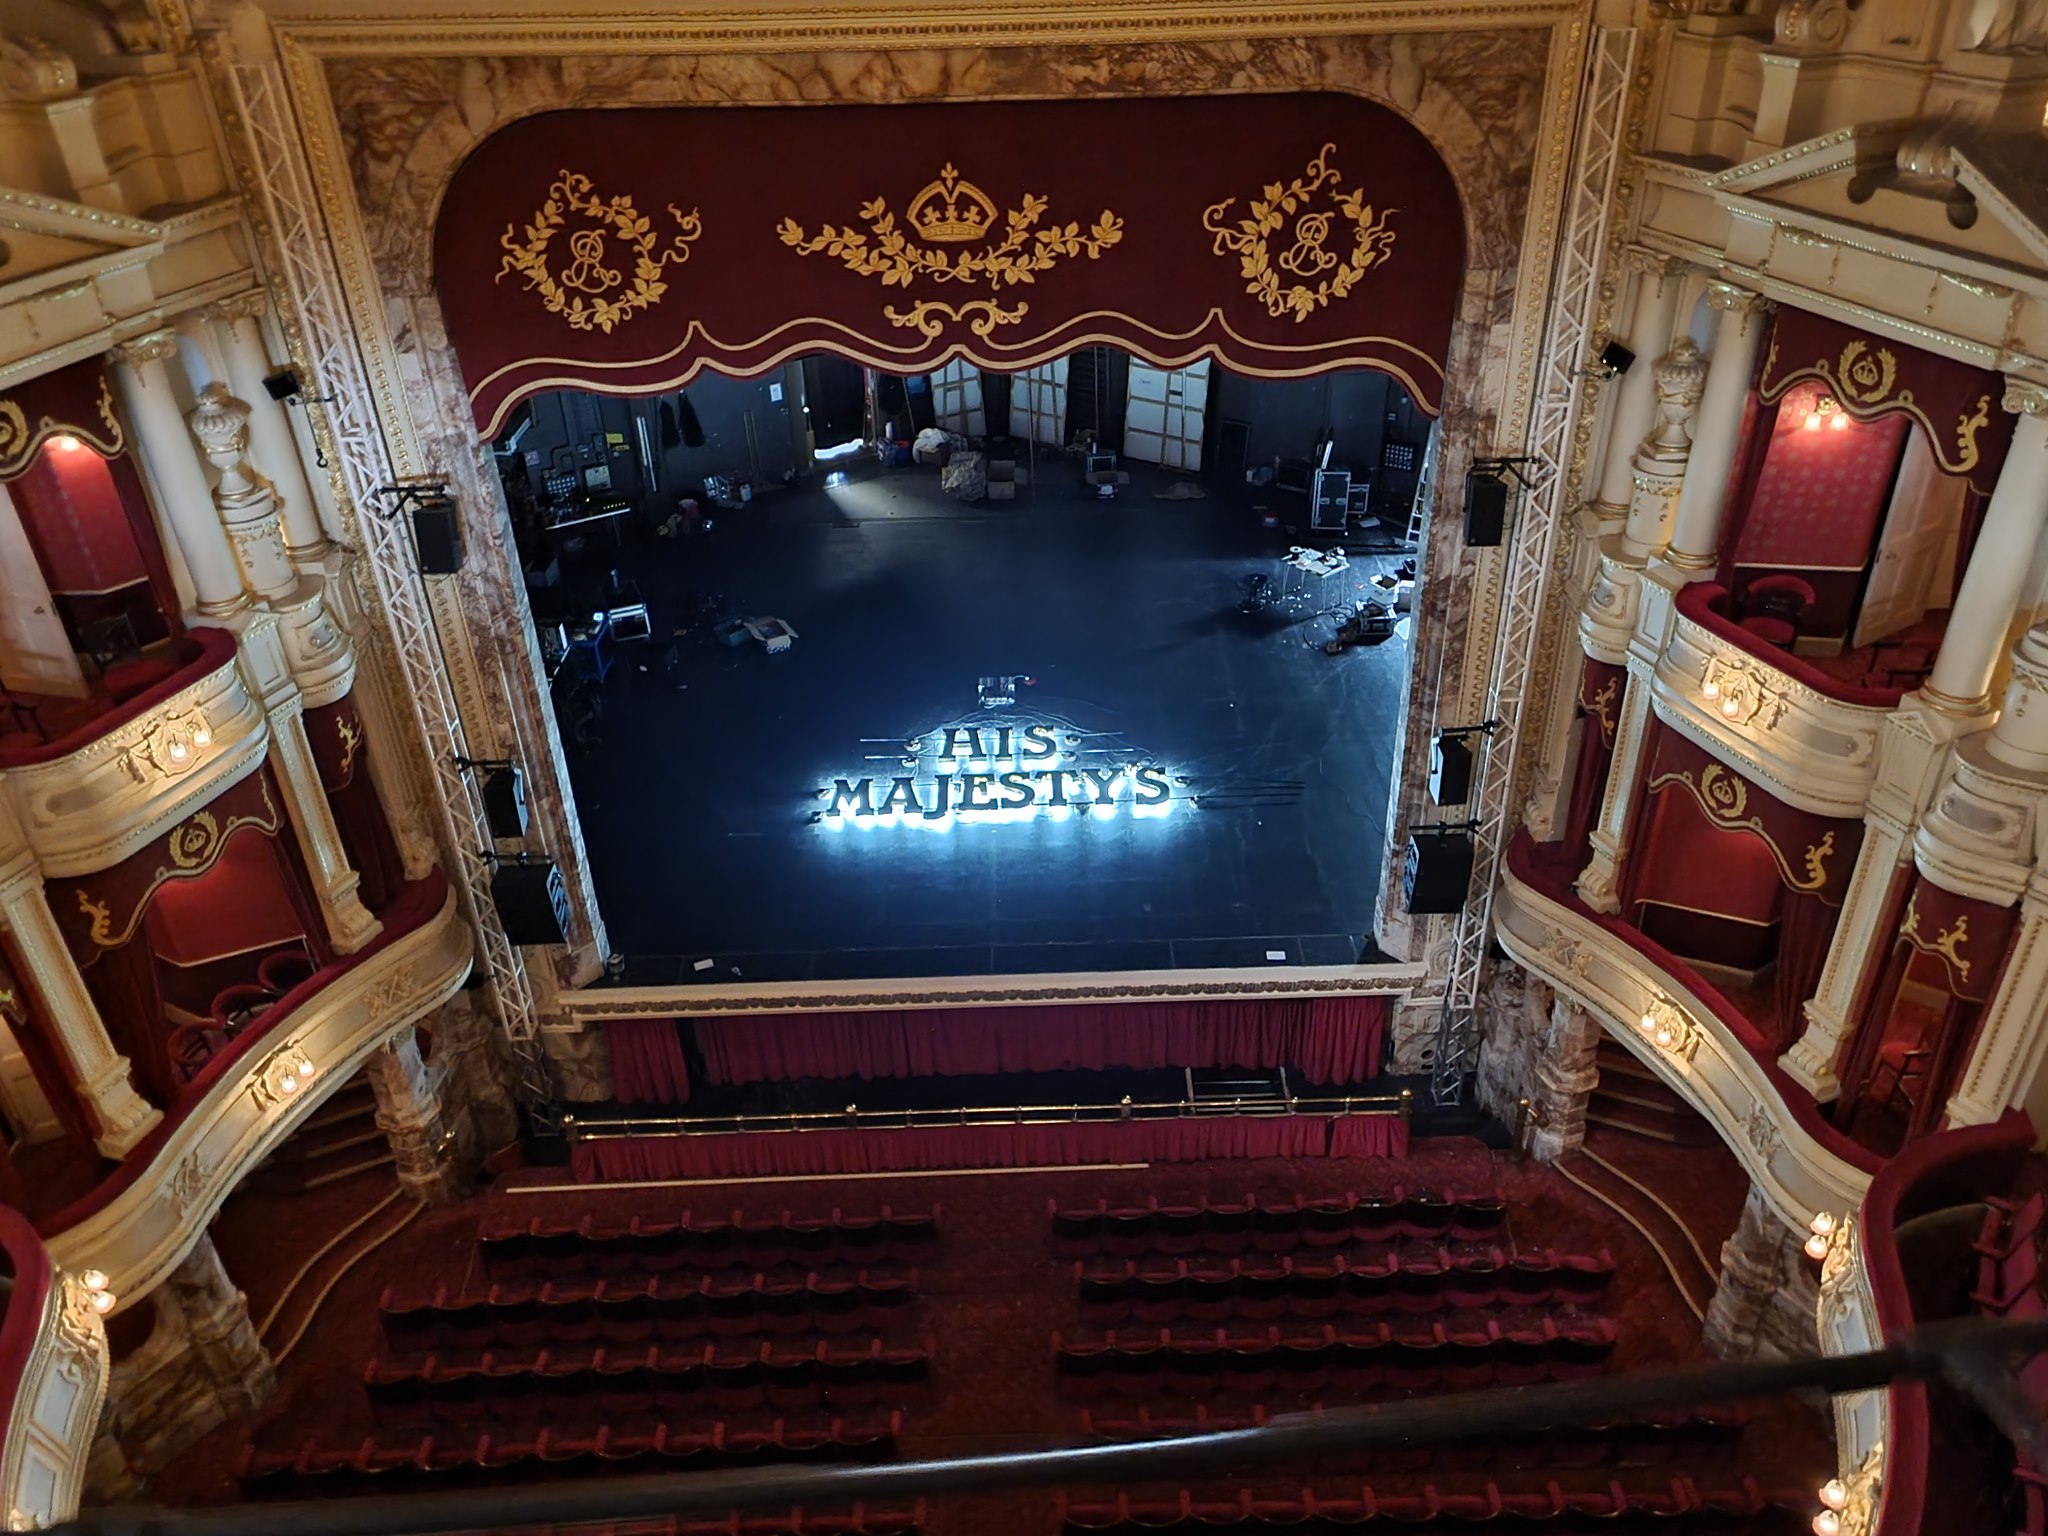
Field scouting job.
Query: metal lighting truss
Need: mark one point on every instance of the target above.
(1568, 333)
(305, 266)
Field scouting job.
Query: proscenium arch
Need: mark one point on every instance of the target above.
(1282, 234)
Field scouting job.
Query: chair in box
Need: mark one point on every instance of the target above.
(1127, 1233)
(1305, 1361)
(557, 1250)
(808, 1242)
(1212, 1295)
(1227, 1228)
(1157, 1296)
(1376, 1221)
(736, 1383)
(1528, 1279)
(1262, 1290)
(910, 1232)
(792, 1380)
(1076, 1233)
(1358, 1361)
(903, 1375)
(1276, 1228)
(710, 1244)
(783, 1307)
(852, 1377)
(1476, 1220)
(888, 1299)
(1474, 1283)
(1327, 1223)
(1581, 1279)
(1421, 1216)
(836, 1306)
(731, 1308)
(762, 1242)
(1176, 1229)
(862, 1239)
(1774, 607)
(1316, 1295)
(1368, 1289)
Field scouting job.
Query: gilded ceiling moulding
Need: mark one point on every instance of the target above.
(408, 32)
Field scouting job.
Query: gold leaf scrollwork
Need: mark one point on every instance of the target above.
(1948, 943)
(951, 210)
(102, 919)
(1724, 798)
(351, 736)
(1865, 374)
(1967, 428)
(1817, 855)
(587, 292)
(14, 438)
(1288, 213)
(1601, 708)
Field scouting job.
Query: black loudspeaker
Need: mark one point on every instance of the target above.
(1437, 876)
(504, 792)
(1450, 778)
(1616, 358)
(532, 903)
(282, 385)
(1486, 507)
(437, 536)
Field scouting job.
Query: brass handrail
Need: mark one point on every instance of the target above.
(799, 1121)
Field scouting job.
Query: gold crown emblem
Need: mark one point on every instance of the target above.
(952, 209)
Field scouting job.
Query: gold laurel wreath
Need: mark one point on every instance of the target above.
(885, 251)
(597, 307)
(1309, 256)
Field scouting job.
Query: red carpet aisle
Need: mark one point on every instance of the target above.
(992, 1295)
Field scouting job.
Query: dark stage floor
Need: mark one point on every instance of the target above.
(697, 803)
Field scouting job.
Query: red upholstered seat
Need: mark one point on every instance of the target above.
(125, 679)
(1772, 629)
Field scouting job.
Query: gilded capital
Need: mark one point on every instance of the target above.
(1640, 258)
(241, 306)
(150, 347)
(2025, 397)
(1725, 296)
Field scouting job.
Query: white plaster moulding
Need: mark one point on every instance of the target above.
(92, 808)
(143, 1233)
(590, 1004)
(1813, 752)
(1722, 1081)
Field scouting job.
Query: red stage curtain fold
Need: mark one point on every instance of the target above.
(1805, 932)
(1603, 689)
(1323, 1040)
(648, 1066)
(751, 1154)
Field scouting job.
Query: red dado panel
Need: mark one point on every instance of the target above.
(625, 250)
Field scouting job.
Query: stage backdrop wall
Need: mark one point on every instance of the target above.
(625, 250)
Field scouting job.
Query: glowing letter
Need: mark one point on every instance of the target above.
(902, 796)
(974, 789)
(852, 799)
(944, 784)
(1104, 780)
(1150, 787)
(1038, 742)
(1019, 794)
(960, 742)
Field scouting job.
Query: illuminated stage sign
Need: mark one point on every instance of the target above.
(992, 773)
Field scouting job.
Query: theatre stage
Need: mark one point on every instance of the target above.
(698, 805)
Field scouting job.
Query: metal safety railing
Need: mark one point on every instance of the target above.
(1973, 1354)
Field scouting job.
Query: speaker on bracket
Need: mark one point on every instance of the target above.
(1486, 507)
(504, 796)
(532, 902)
(1616, 359)
(437, 536)
(1437, 875)
(1450, 777)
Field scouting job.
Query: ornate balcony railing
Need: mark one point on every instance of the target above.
(53, 1378)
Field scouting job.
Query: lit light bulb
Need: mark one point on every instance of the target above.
(1839, 424)
(305, 1069)
(1823, 1222)
(1647, 1023)
(1816, 1247)
(64, 442)
(1731, 707)
(1664, 1036)
(203, 736)
(1812, 422)
(102, 1302)
(1827, 1523)
(288, 1083)
(1710, 689)
(93, 1279)
(1834, 1493)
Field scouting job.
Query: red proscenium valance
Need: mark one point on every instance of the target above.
(1956, 405)
(625, 250)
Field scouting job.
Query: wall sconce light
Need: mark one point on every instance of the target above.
(1820, 1235)
(97, 1295)
(1834, 1493)
(1665, 1028)
(1711, 688)
(64, 442)
(1827, 411)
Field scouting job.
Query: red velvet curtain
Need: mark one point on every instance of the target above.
(1323, 1040)
(1603, 689)
(752, 1154)
(648, 1066)
(1804, 935)
(343, 755)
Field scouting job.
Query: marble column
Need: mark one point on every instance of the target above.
(1717, 430)
(201, 1366)
(2000, 562)
(1657, 469)
(100, 1072)
(1599, 884)
(1565, 1077)
(1887, 850)
(168, 453)
(425, 1139)
(349, 923)
(272, 447)
(1765, 1304)
(1635, 394)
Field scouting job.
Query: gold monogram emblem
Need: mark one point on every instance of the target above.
(593, 292)
(951, 210)
(1291, 214)
(1866, 375)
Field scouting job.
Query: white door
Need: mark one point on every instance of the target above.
(1038, 403)
(956, 399)
(1163, 415)
(35, 651)
(1916, 546)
